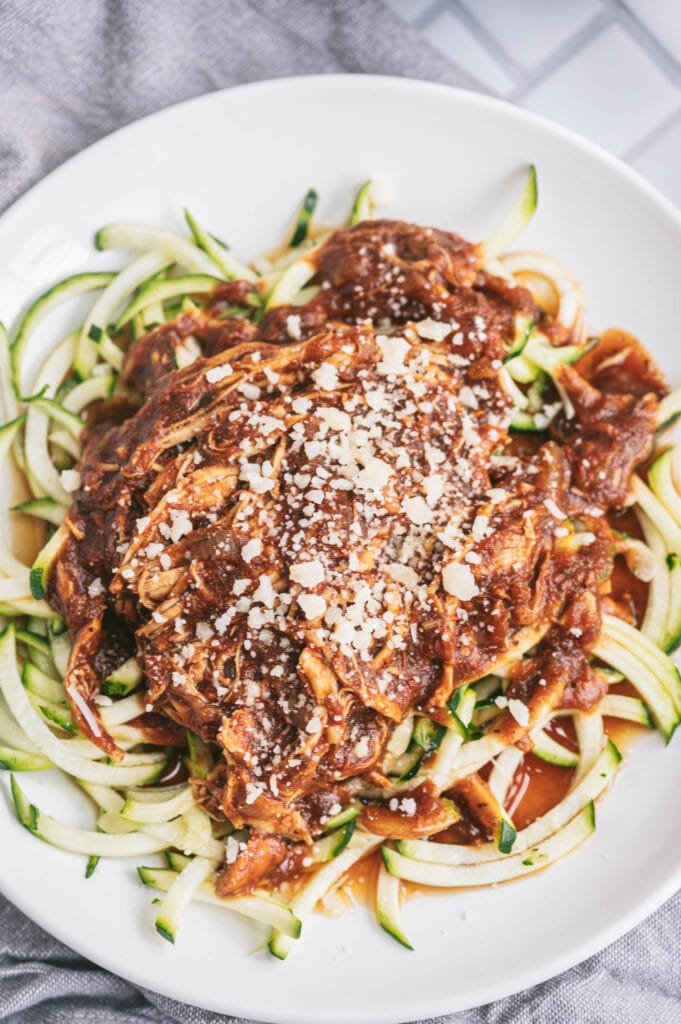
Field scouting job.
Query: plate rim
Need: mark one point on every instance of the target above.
(669, 885)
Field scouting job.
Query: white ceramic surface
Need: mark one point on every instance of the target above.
(241, 160)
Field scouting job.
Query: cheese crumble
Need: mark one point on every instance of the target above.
(459, 581)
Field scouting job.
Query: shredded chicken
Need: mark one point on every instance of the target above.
(323, 523)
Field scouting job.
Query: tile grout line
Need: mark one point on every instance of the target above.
(611, 13)
(649, 42)
(439, 7)
(513, 69)
(433, 11)
(641, 145)
(566, 51)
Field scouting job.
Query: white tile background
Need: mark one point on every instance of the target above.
(611, 69)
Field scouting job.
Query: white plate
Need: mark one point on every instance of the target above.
(241, 160)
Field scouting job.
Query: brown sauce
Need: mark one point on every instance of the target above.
(628, 590)
(174, 772)
(624, 587)
(536, 788)
(562, 730)
(624, 734)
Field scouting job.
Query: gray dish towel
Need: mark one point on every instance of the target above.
(74, 70)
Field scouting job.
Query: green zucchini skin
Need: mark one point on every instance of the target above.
(302, 226)
(518, 218)
(40, 570)
(362, 205)
(47, 648)
(123, 680)
(440, 875)
(388, 905)
(66, 289)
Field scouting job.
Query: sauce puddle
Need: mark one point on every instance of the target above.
(537, 786)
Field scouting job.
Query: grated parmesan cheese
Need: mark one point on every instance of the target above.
(70, 480)
(251, 550)
(308, 574)
(417, 511)
(326, 377)
(431, 330)
(218, 373)
(293, 326)
(459, 581)
(312, 605)
(519, 711)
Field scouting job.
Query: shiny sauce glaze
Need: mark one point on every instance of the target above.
(271, 532)
(537, 785)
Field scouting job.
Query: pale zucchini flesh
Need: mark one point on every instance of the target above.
(388, 905)
(517, 219)
(592, 785)
(549, 750)
(49, 300)
(139, 820)
(180, 894)
(493, 872)
(20, 761)
(77, 840)
(124, 679)
(258, 907)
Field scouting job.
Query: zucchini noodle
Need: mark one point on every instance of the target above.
(538, 684)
